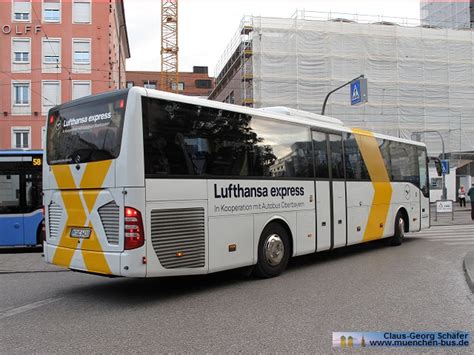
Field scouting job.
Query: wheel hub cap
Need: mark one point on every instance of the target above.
(274, 249)
(401, 227)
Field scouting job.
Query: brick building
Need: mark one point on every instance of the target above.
(195, 83)
(52, 51)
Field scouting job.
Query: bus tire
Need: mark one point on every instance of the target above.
(40, 237)
(399, 230)
(273, 251)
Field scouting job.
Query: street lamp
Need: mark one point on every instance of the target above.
(444, 195)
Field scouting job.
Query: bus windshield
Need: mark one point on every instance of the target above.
(86, 130)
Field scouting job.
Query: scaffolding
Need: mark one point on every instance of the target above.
(418, 78)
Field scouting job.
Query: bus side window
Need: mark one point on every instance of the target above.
(33, 189)
(355, 165)
(9, 193)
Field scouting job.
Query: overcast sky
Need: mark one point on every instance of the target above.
(206, 27)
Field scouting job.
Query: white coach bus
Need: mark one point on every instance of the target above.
(142, 183)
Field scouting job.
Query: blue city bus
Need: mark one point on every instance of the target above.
(21, 215)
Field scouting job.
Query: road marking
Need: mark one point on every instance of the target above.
(452, 239)
(460, 243)
(447, 235)
(27, 307)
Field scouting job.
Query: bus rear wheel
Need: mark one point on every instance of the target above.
(273, 251)
(399, 232)
(40, 234)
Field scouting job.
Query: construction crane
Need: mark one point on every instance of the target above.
(169, 45)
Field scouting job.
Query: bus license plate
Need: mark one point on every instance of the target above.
(80, 233)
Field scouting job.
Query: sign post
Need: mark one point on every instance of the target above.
(361, 96)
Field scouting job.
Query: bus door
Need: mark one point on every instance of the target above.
(424, 189)
(330, 190)
(11, 214)
(32, 209)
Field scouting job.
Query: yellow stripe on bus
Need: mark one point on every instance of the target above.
(72, 202)
(373, 159)
(94, 176)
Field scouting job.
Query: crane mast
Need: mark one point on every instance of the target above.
(169, 45)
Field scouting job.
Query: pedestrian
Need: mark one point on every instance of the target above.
(462, 196)
(471, 197)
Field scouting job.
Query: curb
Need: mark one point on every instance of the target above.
(468, 265)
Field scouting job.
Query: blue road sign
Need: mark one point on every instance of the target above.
(355, 93)
(445, 166)
(358, 91)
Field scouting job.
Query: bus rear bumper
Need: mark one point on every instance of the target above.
(105, 263)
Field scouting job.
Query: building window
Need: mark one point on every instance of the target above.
(51, 10)
(22, 57)
(21, 137)
(199, 70)
(203, 84)
(21, 93)
(22, 16)
(21, 50)
(82, 51)
(150, 85)
(52, 51)
(51, 95)
(130, 84)
(82, 56)
(80, 89)
(81, 11)
(21, 11)
(180, 86)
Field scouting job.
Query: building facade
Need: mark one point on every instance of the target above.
(195, 83)
(53, 51)
(456, 14)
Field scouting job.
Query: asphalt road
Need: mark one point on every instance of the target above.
(419, 286)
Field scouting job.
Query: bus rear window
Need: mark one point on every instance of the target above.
(88, 131)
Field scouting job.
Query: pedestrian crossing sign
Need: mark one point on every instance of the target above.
(355, 94)
(358, 91)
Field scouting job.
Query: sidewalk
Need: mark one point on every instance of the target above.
(462, 215)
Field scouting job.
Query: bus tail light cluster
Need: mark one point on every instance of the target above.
(134, 234)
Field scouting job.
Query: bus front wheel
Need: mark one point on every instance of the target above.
(273, 251)
(399, 232)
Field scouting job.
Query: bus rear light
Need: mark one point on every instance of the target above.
(134, 234)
